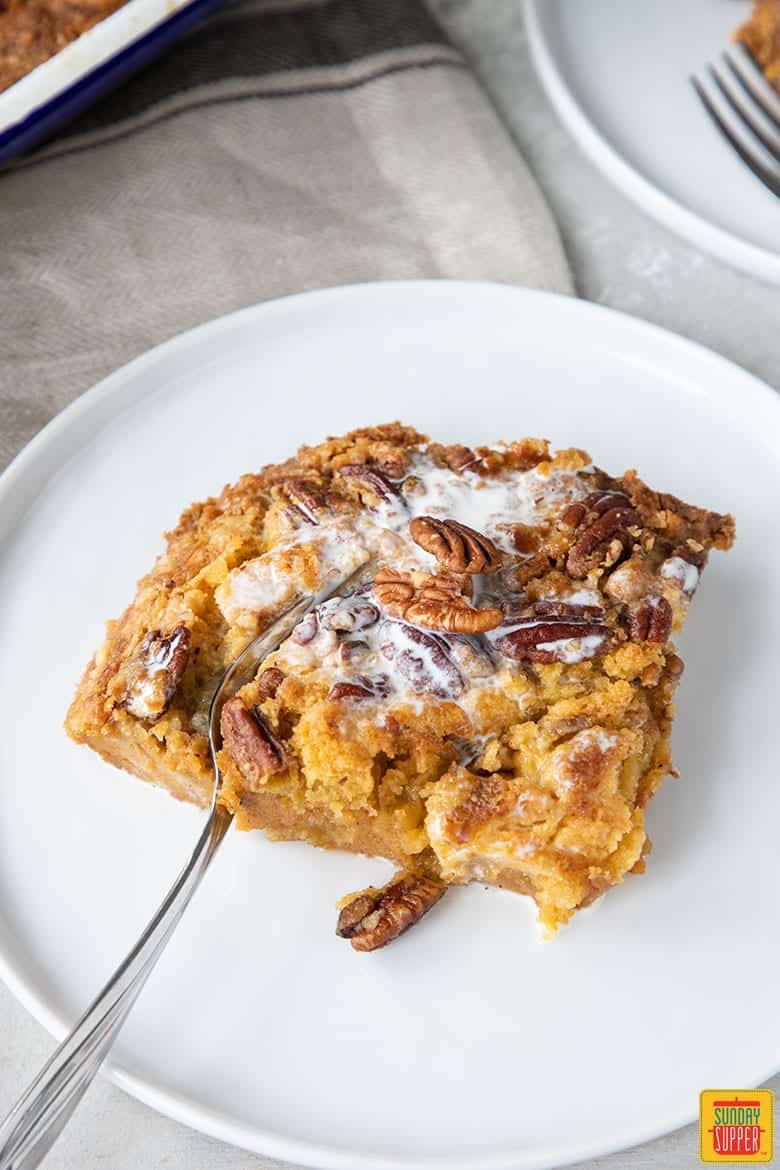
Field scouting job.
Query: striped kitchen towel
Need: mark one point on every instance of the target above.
(284, 145)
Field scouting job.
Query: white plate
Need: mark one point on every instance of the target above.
(618, 75)
(468, 1044)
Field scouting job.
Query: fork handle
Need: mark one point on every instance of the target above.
(35, 1122)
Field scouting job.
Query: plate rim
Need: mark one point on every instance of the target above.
(665, 209)
(663, 344)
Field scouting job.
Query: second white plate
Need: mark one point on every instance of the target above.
(468, 1044)
(619, 76)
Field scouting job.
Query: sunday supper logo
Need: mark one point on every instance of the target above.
(736, 1125)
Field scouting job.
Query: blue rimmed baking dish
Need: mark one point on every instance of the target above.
(54, 92)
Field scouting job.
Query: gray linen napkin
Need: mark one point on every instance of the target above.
(283, 146)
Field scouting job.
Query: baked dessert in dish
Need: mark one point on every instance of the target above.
(31, 31)
(493, 704)
(761, 36)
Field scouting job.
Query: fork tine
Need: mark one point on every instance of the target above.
(750, 75)
(741, 140)
(751, 114)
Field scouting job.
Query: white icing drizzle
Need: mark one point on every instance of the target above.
(682, 571)
(411, 671)
(571, 650)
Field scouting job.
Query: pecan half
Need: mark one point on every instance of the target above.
(517, 575)
(455, 546)
(421, 659)
(393, 590)
(440, 609)
(268, 683)
(346, 614)
(247, 737)
(603, 535)
(361, 687)
(302, 498)
(155, 672)
(650, 621)
(437, 603)
(374, 918)
(545, 630)
(457, 457)
(471, 659)
(372, 478)
(353, 650)
(306, 630)
(593, 505)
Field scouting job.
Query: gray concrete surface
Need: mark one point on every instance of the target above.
(620, 258)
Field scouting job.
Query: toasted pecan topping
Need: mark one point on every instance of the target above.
(650, 621)
(155, 672)
(248, 738)
(592, 506)
(517, 576)
(374, 918)
(345, 614)
(674, 520)
(540, 632)
(268, 683)
(302, 498)
(306, 630)
(353, 650)
(603, 535)
(361, 687)
(675, 665)
(456, 457)
(366, 477)
(456, 546)
(438, 603)
(472, 659)
(421, 658)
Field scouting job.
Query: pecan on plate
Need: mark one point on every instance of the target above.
(155, 672)
(247, 737)
(456, 546)
(368, 477)
(545, 632)
(301, 498)
(374, 918)
(437, 603)
(602, 534)
(421, 658)
(650, 621)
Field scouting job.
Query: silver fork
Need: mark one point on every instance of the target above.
(33, 1125)
(746, 110)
